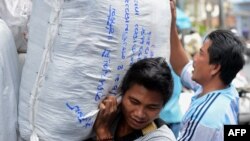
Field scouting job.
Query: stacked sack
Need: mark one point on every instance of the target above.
(9, 84)
(78, 52)
(16, 14)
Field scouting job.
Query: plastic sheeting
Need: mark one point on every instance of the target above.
(78, 51)
(9, 84)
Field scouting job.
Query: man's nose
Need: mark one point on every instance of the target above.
(140, 113)
(195, 56)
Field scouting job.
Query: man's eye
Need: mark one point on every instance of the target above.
(153, 108)
(135, 102)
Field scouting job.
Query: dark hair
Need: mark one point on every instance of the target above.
(152, 73)
(226, 50)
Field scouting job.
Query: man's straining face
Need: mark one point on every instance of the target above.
(141, 106)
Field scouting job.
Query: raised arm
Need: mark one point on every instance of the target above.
(178, 56)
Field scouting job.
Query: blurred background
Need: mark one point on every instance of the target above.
(196, 18)
(205, 15)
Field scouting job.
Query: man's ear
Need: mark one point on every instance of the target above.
(215, 69)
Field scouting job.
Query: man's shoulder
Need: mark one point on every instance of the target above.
(157, 131)
(214, 110)
(161, 133)
(222, 110)
(157, 126)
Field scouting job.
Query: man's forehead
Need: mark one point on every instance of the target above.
(206, 44)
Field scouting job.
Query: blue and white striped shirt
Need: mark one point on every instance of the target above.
(207, 115)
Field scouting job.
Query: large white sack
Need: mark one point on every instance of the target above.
(78, 51)
(9, 84)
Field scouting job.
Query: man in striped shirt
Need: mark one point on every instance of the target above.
(215, 102)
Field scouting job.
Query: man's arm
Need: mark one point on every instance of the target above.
(178, 56)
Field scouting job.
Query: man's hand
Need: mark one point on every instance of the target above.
(105, 117)
(173, 13)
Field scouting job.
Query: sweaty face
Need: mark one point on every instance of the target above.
(201, 72)
(141, 106)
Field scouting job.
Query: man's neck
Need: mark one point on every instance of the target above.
(212, 86)
(123, 129)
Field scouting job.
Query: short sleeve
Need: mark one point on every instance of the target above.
(186, 77)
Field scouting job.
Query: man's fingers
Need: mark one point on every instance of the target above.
(102, 106)
(172, 4)
(173, 1)
(108, 105)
